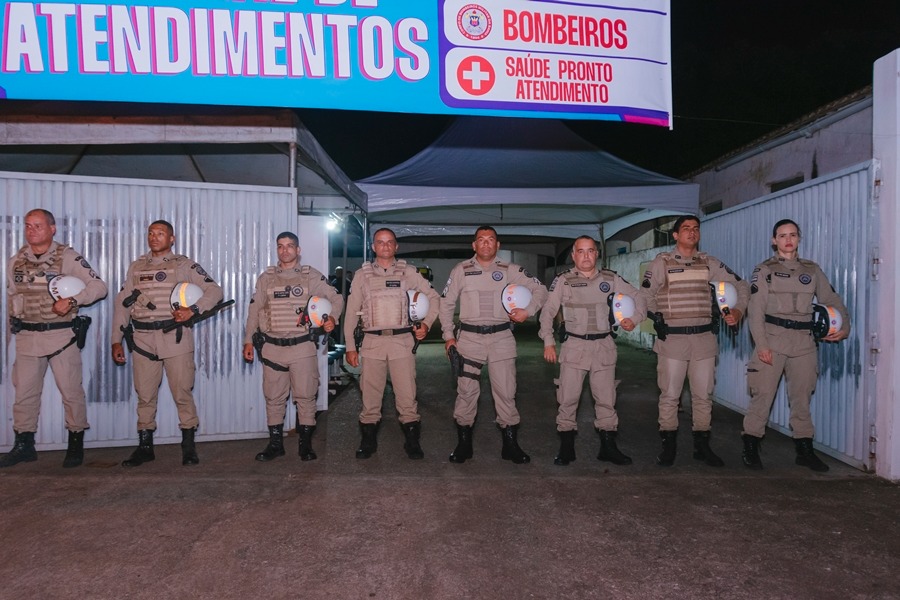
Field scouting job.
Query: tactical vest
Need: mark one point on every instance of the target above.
(585, 302)
(791, 291)
(388, 305)
(31, 280)
(686, 293)
(287, 295)
(156, 283)
(481, 298)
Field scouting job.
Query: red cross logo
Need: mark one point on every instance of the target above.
(475, 75)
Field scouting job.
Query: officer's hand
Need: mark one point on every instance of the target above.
(248, 353)
(329, 324)
(352, 358)
(447, 345)
(518, 315)
(550, 354)
(836, 336)
(118, 354)
(62, 307)
(765, 356)
(420, 331)
(627, 325)
(182, 314)
(733, 317)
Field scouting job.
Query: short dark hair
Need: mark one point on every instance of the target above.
(486, 228)
(681, 220)
(784, 222)
(288, 235)
(391, 231)
(51, 220)
(585, 237)
(165, 224)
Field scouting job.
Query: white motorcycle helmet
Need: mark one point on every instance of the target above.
(419, 305)
(726, 295)
(318, 309)
(826, 320)
(185, 295)
(622, 308)
(64, 286)
(515, 296)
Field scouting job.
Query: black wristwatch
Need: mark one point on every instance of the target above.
(73, 303)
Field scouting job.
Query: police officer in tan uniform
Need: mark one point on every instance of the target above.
(379, 299)
(279, 326)
(46, 335)
(142, 309)
(485, 337)
(781, 323)
(679, 299)
(585, 294)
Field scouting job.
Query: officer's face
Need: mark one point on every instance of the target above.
(159, 239)
(486, 245)
(786, 240)
(688, 235)
(584, 255)
(384, 245)
(38, 232)
(288, 252)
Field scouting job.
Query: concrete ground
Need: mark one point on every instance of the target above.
(389, 527)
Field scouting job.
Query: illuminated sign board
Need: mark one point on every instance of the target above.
(578, 59)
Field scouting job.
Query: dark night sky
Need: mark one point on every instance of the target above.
(740, 69)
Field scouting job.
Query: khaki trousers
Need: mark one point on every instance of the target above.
(701, 374)
(498, 352)
(302, 379)
(147, 379)
(801, 374)
(28, 378)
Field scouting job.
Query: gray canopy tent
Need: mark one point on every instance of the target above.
(526, 177)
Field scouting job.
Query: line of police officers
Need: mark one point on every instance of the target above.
(675, 293)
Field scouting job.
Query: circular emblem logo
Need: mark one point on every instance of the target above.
(604, 287)
(496, 275)
(805, 279)
(474, 22)
(160, 276)
(475, 75)
(296, 291)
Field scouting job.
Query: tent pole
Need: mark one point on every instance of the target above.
(292, 168)
(603, 257)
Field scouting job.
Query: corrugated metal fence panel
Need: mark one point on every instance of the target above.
(835, 218)
(229, 230)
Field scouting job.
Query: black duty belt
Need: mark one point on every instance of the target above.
(152, 325)
(44, 326)
(400, 331)
(789, 324)
(485, 329)
(690, 330)
(589, 336)
(286, 341)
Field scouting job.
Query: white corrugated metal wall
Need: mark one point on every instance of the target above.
(228, 229)
(836, 216)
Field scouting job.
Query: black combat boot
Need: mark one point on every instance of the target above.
(511, 450)
(806, 457)
(609, 451)
(703, 452)
(566, 452)
(666, 458)
(22, 450)
(463, 450)
(413, 431)
(75, 451)
(188, 448)
(275, 447)
(368, 445)
(750, 455)
(305, 449)
(144, 452)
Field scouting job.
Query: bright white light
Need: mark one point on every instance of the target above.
(331, 225)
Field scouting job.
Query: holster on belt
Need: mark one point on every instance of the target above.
(358, 335)
(80, 326)
(563, 334)
(128, 336)
(258, 340)
(659, 324)
(456, 362)
(15, 325)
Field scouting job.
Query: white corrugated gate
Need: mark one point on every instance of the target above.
(230, 230)
(836, 215)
